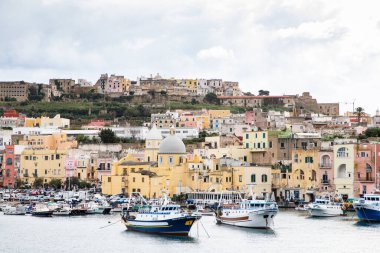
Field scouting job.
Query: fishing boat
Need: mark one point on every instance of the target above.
(325, 208)
(41, 210)
(249, 213)
(368, 208)
(168, 219)
(15, 210)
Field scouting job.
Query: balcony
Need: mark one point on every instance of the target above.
(325, 181)
(366, 179)
(325, 165)
(25, 175)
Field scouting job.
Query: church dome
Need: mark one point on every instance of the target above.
(172, 145)
(154, 134)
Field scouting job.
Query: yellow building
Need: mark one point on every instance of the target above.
(219, 113)
(53, 141)
(173, 173)
(42, 163)
(191, 86)
(256, 141)
(304, 178)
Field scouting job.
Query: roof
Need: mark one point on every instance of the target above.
(172, 145)
(253, 97)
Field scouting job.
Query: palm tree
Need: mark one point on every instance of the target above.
(359, 113)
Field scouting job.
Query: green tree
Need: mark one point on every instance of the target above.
(55, 183)
(263, 93)
(212, 98)
(108, 136)
(359, 114)
(38, 182)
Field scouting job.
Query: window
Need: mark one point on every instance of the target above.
(57, 156)
(342, 152)
(245, 158)
(282, 145)
(247, 136)
(308, 159)
(240, 178)
(296, 158)
(258, 145)
(133, 180)
(142, 180)
(170, 160)
(264, 178)
(270, 144)
(9, 161)
(247, 145)
(263, 135)
(253, 178)
(160, 159)
(263, 144)
(46, 157)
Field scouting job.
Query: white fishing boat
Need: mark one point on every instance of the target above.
(325, 208)
(248, 213)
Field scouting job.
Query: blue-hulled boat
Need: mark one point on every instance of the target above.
(368, 208)
(168, 219)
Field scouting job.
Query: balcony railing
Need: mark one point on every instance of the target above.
(325, 181)
(325, 165)
(366, 179)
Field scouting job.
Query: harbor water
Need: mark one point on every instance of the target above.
(293, 232)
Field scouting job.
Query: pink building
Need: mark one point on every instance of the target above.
(256, 118)
(326, 170)
(365, 169)
(9, 173)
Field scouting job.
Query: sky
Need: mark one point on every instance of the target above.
(330, 48)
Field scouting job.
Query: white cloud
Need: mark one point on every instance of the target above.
(331, 48)
(217, 52)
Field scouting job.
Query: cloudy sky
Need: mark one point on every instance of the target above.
(330, 48)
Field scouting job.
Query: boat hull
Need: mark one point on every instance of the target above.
(319, 212)
(258, 219)
(43, 214)
(368, 214)
(177, 226)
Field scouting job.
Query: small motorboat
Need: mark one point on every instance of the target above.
(325, 208)
(41, 210)
(15, 210)
(62, 211)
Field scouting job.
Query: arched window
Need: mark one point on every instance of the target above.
(264, 178)
(342, 152)
(302, 175)
(253, 178)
